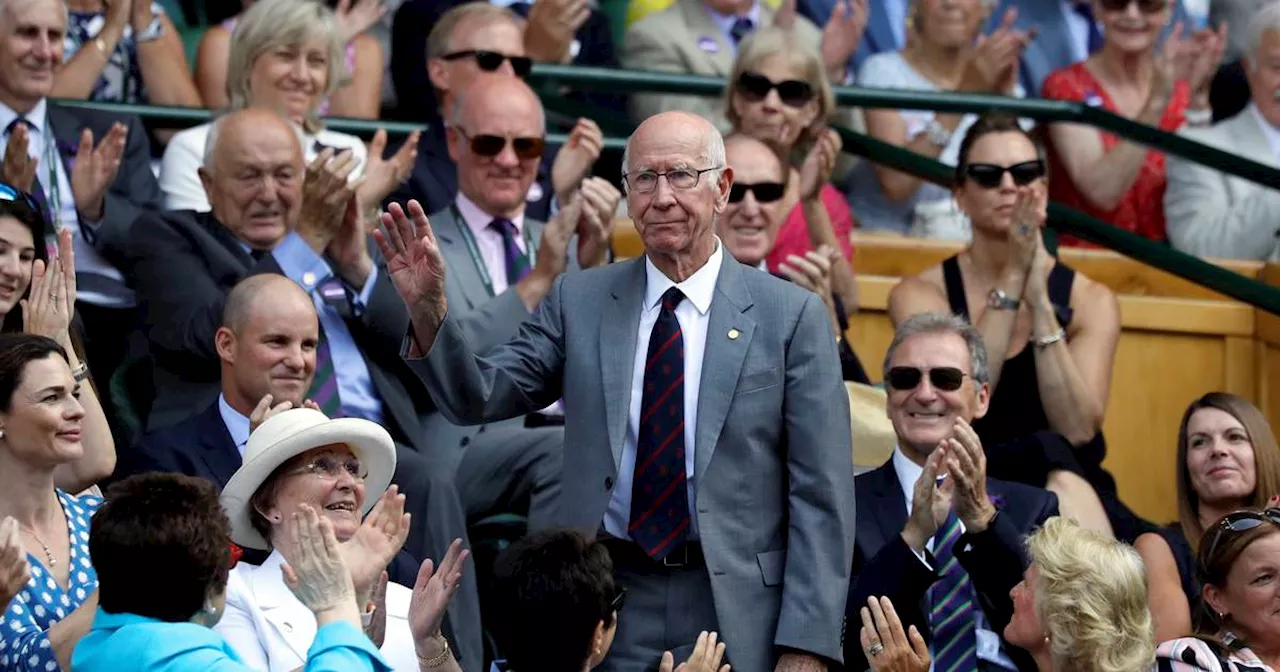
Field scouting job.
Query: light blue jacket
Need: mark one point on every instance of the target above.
(130, 642)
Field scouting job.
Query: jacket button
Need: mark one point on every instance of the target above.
(466, 440)
(608, 482)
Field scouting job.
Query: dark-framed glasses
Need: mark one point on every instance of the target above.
(945, 378)
(1240, 521)
(1146, 6)
(331, 468)
(765, 192)
(989, 175)
(492, 145)
(620, 599)
(681, 179)
(492, 60)
(792, 92)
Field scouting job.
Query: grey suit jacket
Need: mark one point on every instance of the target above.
(676, 40)
(774, 468)
(1211, 214)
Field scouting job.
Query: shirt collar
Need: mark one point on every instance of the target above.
(478, 220)
(908, 473)
(1271, 132)
(37, 117)
(725, 21)
(697, 288)
(236, 423)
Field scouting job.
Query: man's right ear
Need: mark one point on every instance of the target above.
(206, 180)
(224, 341)
(439, 75)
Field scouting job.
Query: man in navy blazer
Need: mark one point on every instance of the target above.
(935, 486)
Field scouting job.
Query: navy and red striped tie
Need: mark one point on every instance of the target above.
(659, 499)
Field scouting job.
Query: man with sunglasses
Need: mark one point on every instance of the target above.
(935, 535)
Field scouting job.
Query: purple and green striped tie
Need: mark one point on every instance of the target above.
(324, 384)
(951, 600)
(517, 261)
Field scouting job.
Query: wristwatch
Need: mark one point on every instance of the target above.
(1000, 300)
(938, 135)
(154, 31)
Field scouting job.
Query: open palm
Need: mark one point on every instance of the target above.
(413, 258)
(433, 590)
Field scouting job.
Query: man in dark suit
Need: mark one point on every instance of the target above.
(935, 535)
(185, 264)
(96, 192)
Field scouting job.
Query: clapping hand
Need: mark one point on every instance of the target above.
(265, 410)
(813, 272)
(415, 264)
(815, 172)
(841, 36)
(706, 657)
(785, 17)
(884, 643)
(19, 169)
(549, 31)
(967, 465)
(383, 175)
(432, 591)
(356, 16)
(930, 501)
(1029, 214)
(52, 297)
(14, 570)
(1207, 57)
(96, 169)
(377, 628)
(553, 249)
(1174, 62)
(314, 571)
(595, 227)
(379, 538)
(992, 66)
(326, 195)
(577, 157)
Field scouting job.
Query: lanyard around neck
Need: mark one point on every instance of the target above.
(474, 250)
(51, 160)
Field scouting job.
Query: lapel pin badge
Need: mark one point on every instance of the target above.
(708, 44)
(733, 334)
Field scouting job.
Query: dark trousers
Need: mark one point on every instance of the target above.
(105, 340)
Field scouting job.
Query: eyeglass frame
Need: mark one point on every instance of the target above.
(12, 194)
(309, 469)
(697, 177)
(540, 143)
(526, 63)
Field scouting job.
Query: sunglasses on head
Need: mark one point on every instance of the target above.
(618, 600)
(1240, 521)
(492, 145)
(945, 378)
(13, 194)
(765, 192)
(989, 175)
(492, 60)
(1146, 6)
(755, 87)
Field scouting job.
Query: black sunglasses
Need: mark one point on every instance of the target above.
(1240, 521)
(793, 92)
(492, 60)
(765, 192)
(945, 378)
(1146, 6)
(989, 175)
(492, 145)
(618, 600)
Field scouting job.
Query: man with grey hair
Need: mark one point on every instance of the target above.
(1209, 213)
(936, 535)
(707, 435)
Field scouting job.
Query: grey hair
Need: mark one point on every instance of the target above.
(1263, 21)
(66, 11)
(440, 40)
(460, 105)
(943, 323)
(714, 153)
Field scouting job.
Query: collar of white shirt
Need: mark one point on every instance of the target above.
(725, 21)
(1270, 132)
(237, 425)
(478, 220)
(36, 117)
(697, 288)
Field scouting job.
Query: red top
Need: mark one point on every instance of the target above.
(793, 235)
(1142, 208)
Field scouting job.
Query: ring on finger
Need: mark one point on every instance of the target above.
(875, 649)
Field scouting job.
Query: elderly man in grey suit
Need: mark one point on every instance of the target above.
(1211, 214)
(707, 429)
(497, 276)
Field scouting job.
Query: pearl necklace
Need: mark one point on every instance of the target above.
(48, 554)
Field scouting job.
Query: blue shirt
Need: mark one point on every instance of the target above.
(725, 23)
(355, 387)
(237, 424)
(131, 642)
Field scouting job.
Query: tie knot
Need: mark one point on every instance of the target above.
(742, 26)
(8, 130)
(1084, 9)
(504, 226)
(672, 298)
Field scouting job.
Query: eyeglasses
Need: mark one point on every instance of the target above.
(15, 195)
(331, 468)
(492, 60)
(989, 175)
(683, 179)
(755, 87)
(1145, 6)
(945, 378)
(492, 145)
(765, 192)
(1240, 521)
(618, 600)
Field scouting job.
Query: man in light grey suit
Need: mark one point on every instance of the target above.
(1211, 214)
(497, 276)
(707, 429)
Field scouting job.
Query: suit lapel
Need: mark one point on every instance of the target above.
(888, 502)
(292, 621)
(462, 267)
(619, 324)
(65, 129)
(220, 454)
(702, 28)
(721, 360)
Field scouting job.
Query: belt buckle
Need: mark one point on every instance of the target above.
(678, 558)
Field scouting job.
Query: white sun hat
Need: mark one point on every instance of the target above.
(289, 434)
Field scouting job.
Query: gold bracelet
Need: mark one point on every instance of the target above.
(101, 44)
(439, 659)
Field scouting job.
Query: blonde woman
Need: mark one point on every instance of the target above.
(1082, 603)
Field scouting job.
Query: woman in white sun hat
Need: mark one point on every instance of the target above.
(343, 469)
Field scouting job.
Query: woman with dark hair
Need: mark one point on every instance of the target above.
(1050, 332)
(162, 548)
(41, 422)
(1227, 460)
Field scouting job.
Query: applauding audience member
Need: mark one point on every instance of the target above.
(162, 546)
(1050, 331)
(931, 524)
(749, 230)
(1082, 604)
(1227, 460)
(284, 58)
(41, 421)
(1120, 181)
(15, 572)
(886, 644)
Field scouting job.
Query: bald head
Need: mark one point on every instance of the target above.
(749, 227)
(677, 128)
(262, 144)
(490, 93)
(505, 109)
(256, 293)
(267, 342)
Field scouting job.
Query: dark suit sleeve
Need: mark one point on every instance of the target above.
(894, 572)
(134, 193)
(153, 452)
(385, 319)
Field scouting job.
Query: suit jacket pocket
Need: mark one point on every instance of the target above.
(755, 381)
(772, 565)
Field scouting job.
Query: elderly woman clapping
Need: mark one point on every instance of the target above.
(296, 459)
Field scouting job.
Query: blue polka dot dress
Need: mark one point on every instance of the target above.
(24, 639)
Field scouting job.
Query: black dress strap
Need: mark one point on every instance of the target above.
(1061, 278)
(954, 283)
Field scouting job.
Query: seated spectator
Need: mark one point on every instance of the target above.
(162, 547)
(1211, 213)
(1082, 604)
(284, 58)
(1119, 181)
(943, 55)
(1051, 332)
(36, 297)
(920, 543)
(749, 227)
(771, 64)
(15, 572)
(702, 37)
(98, 208)
(124, 52)
(1227, 460)
(886, 645)
(1229, 93)
(186, 264)
(468, 42)
(1236, 566)
(41, 421)
(885, 25)
(564, 607)
(299, 460)
(354, 60)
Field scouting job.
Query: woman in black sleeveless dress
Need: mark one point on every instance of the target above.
(1050, 332)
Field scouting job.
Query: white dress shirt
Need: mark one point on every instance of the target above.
(1270, 132)
(694, 316)
(236, 423)
(1077, 30)
(489, 242)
